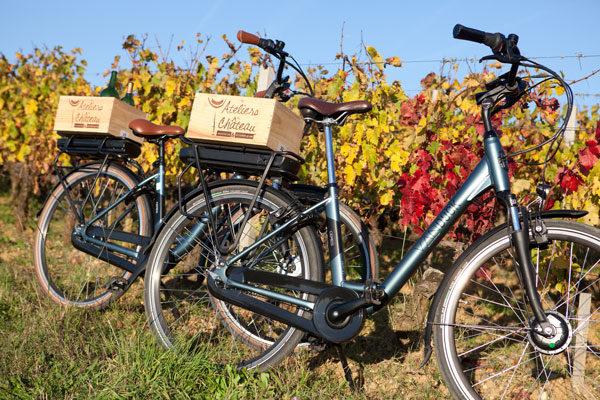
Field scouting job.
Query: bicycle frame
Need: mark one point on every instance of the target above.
(487, 174)
(94, 240)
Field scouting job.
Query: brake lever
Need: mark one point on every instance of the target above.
(275, 48)
(490, 57)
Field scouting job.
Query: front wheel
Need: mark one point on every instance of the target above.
(484, 341)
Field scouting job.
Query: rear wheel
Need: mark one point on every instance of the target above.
(67, 275)
(485, 344)
(178, 305)
(360, 254)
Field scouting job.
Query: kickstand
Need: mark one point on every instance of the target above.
(355, 385)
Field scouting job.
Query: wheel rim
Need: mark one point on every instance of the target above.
(66, 274)
(486, 326)
(189, 323)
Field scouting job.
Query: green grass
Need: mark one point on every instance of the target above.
(50, 352)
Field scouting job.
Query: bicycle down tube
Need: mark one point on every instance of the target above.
(489, 172)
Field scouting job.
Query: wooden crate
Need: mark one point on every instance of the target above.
(96, 116)
(245, 121)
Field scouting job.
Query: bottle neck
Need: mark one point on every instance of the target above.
(113, 79)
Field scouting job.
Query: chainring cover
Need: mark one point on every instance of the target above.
(337, 332)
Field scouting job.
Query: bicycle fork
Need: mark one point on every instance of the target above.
(520, 227)
(520, 241)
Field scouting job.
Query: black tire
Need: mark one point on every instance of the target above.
(484, 346)
(360, 254)
(67, 275)
(181, 312)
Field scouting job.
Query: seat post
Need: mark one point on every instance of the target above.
(332, 210)
(160, 181)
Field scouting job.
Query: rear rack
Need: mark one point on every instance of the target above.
(243, 160)
(98, 146)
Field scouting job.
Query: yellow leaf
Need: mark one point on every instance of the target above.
(372, 136)
(386, 198)
(394, 61)
(520, 185)
(31, 107)
(422, 124)
(472, 82)
(592, 217)
(376, 57)
(345, 149)
(184, 102)
(23, 151)
(596, 186)
(559, 90)
(170, 87)
(349, 174)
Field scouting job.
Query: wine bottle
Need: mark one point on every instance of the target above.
(110, 90)
(128, 98)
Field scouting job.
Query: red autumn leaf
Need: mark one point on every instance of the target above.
(568, 179)
(593, 146)
(483, 273)
(587, 158)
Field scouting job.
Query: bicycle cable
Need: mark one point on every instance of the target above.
(557, 138)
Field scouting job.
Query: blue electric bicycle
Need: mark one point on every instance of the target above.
(517, 315)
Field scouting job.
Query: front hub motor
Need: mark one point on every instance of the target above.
(337, 331)
(556, 343)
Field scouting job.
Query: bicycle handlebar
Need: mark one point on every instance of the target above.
(493, 40)
(280, 86)
(504, 48)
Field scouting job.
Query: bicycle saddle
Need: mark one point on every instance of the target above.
(145, 128)
(318, 109)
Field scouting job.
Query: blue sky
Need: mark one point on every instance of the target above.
(412, 30)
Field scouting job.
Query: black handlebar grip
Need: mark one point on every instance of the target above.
(248, 38)
(493, 40)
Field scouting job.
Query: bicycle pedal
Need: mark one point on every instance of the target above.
(117, 284)
(315, 345)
